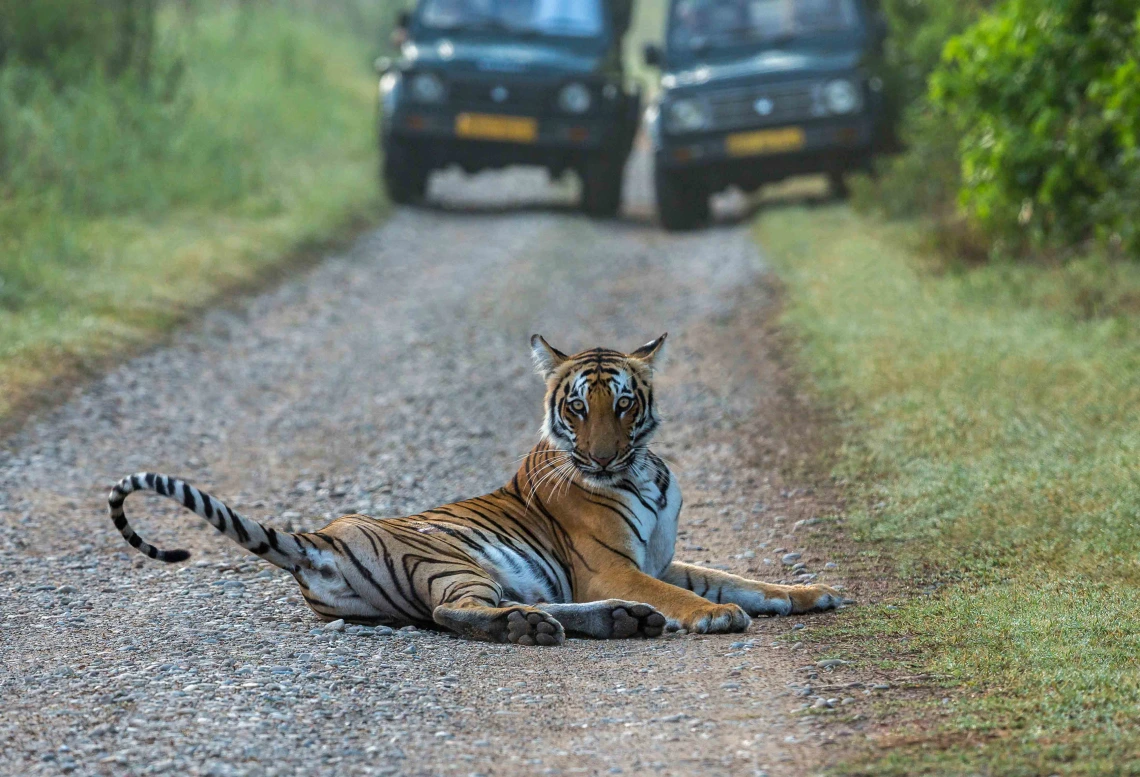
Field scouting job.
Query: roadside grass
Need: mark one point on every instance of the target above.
(992, 429)
(123, 210)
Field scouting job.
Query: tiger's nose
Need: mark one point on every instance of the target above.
(602, 461)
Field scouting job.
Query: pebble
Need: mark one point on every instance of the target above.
(831, 565)
(67, 589)
(337, 625)
(830, 663)
(411, 648)
(881, 687)
(798, 627)
(788, 559)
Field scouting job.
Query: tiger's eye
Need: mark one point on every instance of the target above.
(624, 403)
(578, 406)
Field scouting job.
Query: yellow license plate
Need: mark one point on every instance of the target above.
(765, 141)
(481, 126)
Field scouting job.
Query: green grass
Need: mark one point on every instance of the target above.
(992, 427)
(123, 210)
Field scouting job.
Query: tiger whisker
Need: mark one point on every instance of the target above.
(535, 486)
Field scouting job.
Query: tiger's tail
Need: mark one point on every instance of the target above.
(281, 549)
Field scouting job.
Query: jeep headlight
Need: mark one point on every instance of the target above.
(841, 96)
(575, 98)
(687, 115)
(426, 88)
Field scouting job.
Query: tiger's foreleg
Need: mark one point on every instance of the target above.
(471, 604)
(607, 619)
(682, 608)
(755, 597)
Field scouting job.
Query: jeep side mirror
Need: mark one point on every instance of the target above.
(400, 30)
(652, 55)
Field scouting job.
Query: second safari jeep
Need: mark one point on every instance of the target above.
(491, 83)
(754, 91)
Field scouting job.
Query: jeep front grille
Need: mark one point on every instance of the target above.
(492, 96)
(766, 105)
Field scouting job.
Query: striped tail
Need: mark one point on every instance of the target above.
(279, 549)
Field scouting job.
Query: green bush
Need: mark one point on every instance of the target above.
(924, 178)
(918, 29)
(1038, 91)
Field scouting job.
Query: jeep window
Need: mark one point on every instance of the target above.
(558, 18)
(697, 26)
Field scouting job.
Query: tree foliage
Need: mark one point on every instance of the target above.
(1044, 96)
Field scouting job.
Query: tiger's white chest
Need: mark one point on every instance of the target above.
(655, 511)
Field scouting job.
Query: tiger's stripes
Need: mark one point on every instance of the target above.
(581, 539)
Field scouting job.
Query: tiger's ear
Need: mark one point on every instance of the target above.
(652, 354)
(546, 358)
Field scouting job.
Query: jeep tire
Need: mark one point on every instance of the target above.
(602, 178)
(682, 203)
(405, 176)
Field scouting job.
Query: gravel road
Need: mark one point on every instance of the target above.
(390, 378)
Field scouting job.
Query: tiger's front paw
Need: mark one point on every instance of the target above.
(814, 598)
(533, 627)
(717, 619)
(633, 619)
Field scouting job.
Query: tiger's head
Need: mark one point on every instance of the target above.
(599, 407)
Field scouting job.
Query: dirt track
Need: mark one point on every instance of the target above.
(389, 379)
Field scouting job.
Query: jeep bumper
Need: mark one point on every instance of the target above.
(557, 142)
(834, 146)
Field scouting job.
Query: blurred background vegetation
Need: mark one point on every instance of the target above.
(1020, 120)
(155, 153)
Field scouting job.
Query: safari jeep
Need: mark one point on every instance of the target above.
(491, 83)
(755, 91)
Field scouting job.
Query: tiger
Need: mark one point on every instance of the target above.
(579, 542)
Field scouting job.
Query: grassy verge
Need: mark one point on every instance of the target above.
(123, 209)
(992, 427)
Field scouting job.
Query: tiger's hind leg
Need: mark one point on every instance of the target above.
(608, 618)
(471, 604)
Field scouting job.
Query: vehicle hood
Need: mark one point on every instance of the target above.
(523, 57)
(768, 65)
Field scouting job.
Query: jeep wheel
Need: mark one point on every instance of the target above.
(602, 186)
(681, 203)
(405, 176)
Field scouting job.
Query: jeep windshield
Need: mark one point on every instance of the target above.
(580, 19)
(699, 29)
